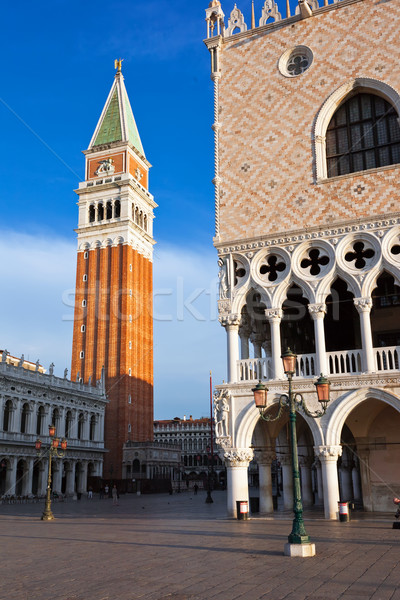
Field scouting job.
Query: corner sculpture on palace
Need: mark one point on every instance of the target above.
(221, 418)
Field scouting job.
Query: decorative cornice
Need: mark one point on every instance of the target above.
(340, 229)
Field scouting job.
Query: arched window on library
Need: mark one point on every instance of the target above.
(364, 133)
(40, 420)
(92, 431)
(7, 415)
(68, 424)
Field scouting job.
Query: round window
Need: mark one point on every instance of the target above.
(295, 61)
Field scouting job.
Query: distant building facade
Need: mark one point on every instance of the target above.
(30, 401)
(193, 436)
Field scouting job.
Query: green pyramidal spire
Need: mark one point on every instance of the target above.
(117, 123)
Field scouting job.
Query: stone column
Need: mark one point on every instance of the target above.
(47, 420)
(319, 497)
(274, 316)
(328, 456)
(287, 480)
(307, 496)
(70, 479)
(264, 460)
(30, 425)
(57, 467)
(237, 462)
(11, 478)
(100, 428)
(17, 415)
(61, 423)
(86, 425)
(317, 312)
(257, 340)
(231, 324)
(28, 476)
(363, 306)
(244, 334)
(82, 483)
(42, 480)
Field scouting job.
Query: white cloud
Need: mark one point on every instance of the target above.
(38, 275)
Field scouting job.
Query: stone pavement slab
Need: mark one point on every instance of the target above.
(177, 547)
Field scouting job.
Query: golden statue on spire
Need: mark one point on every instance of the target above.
(118, 64)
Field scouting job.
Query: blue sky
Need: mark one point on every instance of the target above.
(58, 60)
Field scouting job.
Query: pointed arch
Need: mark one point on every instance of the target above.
(370, 282)
(249, 417)
(343, 406)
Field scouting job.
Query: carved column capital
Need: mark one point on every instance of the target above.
(363, 304)
(232, 320)
(273, 314)
(285, 460)
(306, 461)
(265, 457)
(317, 311)
(328, 453)
(239, 457)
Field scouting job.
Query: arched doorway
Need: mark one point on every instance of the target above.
(370, 439)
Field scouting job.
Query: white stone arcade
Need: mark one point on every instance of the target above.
(334, 298)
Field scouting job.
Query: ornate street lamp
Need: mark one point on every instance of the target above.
(299, 542)
(52, 451)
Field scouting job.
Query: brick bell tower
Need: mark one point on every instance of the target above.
(113, 303)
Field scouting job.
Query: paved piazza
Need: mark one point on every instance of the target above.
(179, 548)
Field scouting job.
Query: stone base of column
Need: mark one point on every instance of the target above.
(302, 550)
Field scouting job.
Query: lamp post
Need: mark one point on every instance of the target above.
(210, 449)
(52, 451)
(299, 542)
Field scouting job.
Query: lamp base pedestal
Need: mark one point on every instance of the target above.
(302, 550)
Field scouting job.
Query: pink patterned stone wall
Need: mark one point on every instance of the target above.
(267, 158)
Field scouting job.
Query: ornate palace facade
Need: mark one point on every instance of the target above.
(307, 159)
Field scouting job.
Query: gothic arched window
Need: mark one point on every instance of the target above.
(363, 134)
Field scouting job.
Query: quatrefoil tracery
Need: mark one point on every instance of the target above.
(315, 261)
(359, 255)
(273, 267)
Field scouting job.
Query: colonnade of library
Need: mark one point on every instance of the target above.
(25, 476)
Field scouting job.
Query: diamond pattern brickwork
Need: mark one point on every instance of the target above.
(267, 122)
